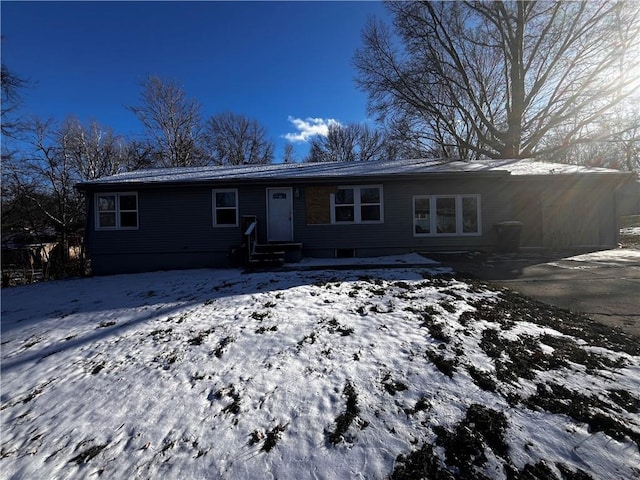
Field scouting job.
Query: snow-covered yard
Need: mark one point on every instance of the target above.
(318, 374)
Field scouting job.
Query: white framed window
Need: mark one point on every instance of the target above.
(116, 211)
(357, 204)
(225, 207)
(446, 215)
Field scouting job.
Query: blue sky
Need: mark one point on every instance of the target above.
(278, 62)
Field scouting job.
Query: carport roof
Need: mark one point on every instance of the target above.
(338, 170)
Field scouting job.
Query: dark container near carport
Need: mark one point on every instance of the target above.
(508, 240)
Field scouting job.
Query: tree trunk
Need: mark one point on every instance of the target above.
(516, 101)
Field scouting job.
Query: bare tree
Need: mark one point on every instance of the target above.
(43, 180)
(38, 193)
(289, 154)
(12, 87)
(614, 142)
(501, 79)
(95, 151)
(339, 145)
(139, 154)
(172, 121)
(371, 144)
(232, 139)
(348, 143)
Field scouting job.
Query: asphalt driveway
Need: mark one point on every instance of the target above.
(603, 285)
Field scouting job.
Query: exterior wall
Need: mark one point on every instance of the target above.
(395, 234)
(628, 197)
(175, 230)
(577, 212)
(527, 208)
(175, 224)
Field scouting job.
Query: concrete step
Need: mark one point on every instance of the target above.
(292, 252)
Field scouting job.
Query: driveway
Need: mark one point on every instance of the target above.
(603, 285)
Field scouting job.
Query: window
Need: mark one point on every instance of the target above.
(357, 205)
(446, 215)
(116, 211)
(370, 204)
(470, 214)
(345, 207)
(225, 208)
(422, 215)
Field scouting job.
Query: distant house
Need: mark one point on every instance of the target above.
(180, 218)
(25, 253)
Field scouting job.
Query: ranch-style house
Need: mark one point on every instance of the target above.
(200, 217)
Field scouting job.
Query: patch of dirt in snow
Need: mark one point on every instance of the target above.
(630, 237)
(399, 373)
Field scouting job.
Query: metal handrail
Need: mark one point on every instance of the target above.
(250, 229)
(250, 233)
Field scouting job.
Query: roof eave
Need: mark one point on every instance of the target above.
(301, 180)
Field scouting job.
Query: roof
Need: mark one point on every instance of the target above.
(329, 170)
(27, 238)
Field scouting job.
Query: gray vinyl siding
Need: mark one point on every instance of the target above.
(576, 212)
(175, 224)
(395, 234)
(175, 230)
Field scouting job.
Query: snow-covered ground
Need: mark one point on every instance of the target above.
(630, 231)
(621, 257)
(329, 374)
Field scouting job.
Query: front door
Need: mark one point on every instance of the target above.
(280, 214)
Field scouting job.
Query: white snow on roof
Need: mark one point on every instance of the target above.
(341, 169)
(533, 167)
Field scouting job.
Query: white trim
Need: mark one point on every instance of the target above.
(433, 217)
(116, 212)
(357, 205)
(214, 207)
